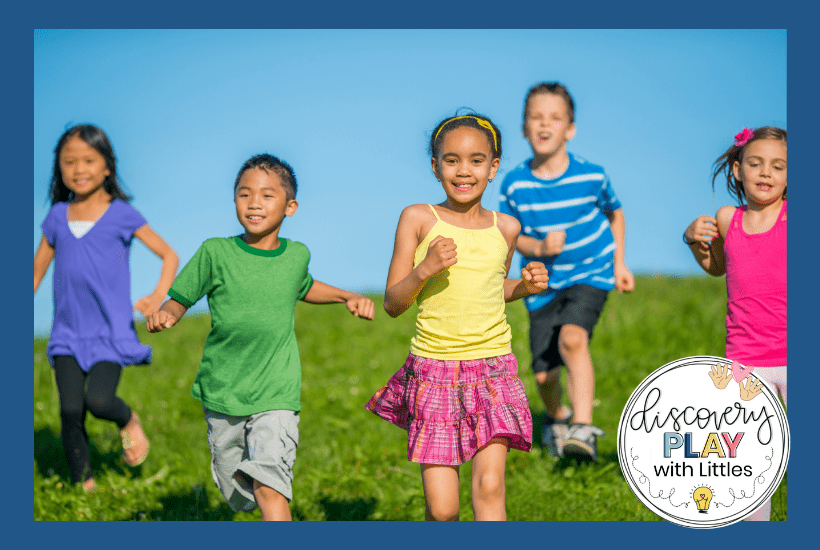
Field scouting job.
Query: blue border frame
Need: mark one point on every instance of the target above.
(17, 42)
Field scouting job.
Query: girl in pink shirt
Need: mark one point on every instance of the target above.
(748, 244)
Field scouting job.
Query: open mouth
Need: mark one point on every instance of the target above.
(463, 186)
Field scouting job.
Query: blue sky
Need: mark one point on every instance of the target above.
(351, 111)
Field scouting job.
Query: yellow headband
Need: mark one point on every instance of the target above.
(481, 122)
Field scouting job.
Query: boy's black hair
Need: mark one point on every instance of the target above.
(555, 88)
(269, 162)
(96, 138)
(470, 119)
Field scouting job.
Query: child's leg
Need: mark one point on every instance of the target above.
(70, 385)
(273, 504)
(776, 377)
(488, 490)
(573, 345)
(101, 395)
(102, 401)
(549, 388)
(271, 438)
(440, 492)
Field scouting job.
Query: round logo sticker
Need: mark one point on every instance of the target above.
(703, 442)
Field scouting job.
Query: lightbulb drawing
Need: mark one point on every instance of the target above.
(702, 497)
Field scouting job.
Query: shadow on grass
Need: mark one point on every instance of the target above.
(190, 506)
(537, 426)
(50, 459)
(357, 509)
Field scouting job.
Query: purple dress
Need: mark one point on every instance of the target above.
(93, 315)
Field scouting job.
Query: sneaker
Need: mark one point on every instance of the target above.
(553, 434)
(580, 442)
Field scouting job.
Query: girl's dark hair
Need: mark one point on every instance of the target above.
(471, 120)
(555, 88)
(723, 165)
(97, 139)
(269, 162)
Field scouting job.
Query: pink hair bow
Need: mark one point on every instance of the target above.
(743, 137)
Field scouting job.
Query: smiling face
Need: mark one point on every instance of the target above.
(465, 164)
(547, 125)
(82, 167)
(762, 171)
(261, 205)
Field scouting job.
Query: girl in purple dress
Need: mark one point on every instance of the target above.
(88, 233)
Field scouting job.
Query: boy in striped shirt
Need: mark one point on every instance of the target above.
(571, 221)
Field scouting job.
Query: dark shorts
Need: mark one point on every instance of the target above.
(577, 305)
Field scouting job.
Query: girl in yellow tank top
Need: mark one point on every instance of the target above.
(458, 394)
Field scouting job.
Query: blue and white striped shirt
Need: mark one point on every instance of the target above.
(574, 202)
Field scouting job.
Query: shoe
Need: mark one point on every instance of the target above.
(580, 442)
(553, 434)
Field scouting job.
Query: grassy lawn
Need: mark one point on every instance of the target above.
(351, 465)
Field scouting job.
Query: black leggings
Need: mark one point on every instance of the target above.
(80, 391)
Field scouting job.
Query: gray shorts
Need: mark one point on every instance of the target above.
(243, 448)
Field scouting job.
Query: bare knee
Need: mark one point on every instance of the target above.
(488, 487)
(548, 377)
(572, 339)
(441, 511)
(273, 504)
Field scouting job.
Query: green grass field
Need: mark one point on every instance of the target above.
(351, 465)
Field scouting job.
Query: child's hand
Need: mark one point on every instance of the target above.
(159, 320)
(624, 280)
(148, 304)
(553, 244)
(361, 307)
(536, 277)
(441, 254)
(703, 230)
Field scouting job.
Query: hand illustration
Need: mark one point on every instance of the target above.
(720, 375)
(750, 388)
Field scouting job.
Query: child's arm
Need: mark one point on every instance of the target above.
(42, 259)
(358, 305)
(170, 262)
(403, 281)
(165, 317)
(624, 280)
(534, 276)
(551, 245)
(706, 236)
(534, 279)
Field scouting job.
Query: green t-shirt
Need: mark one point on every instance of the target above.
(250, 363)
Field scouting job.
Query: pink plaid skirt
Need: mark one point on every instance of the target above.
(451, 409)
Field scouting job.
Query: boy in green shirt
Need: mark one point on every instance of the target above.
(249, 380)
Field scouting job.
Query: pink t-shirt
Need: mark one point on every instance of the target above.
(756, 288)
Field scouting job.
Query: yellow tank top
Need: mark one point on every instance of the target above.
(461, 310)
